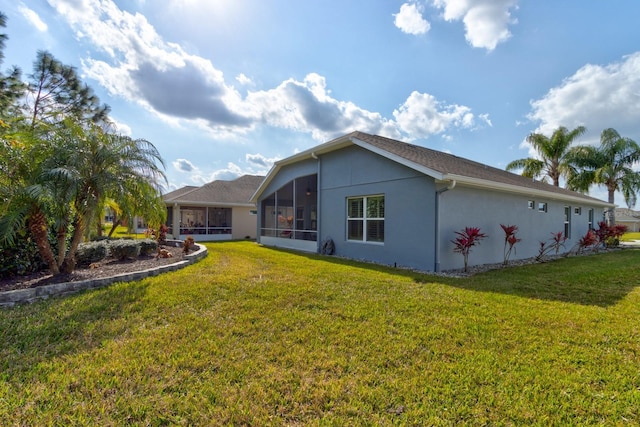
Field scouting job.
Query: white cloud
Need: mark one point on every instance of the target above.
(187, 89)
(486, 22)
(422, 115)
(409, 20)
(184, 165)
(260, 161)
(596, 96)
(33, 18)
(244, 80)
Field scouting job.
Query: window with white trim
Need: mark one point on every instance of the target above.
(531, 204)
(577, 211)
(542, 207)
(567, 222)
(590, 220)
(365, 218)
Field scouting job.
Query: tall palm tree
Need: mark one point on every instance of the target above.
(610, 165)
(552, 162)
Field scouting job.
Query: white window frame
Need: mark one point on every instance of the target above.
(567, 222)
(364, 219)
(542, 207)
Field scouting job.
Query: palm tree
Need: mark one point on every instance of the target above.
(104, 165)
(610, 165)
(552, 151)
(26, 192)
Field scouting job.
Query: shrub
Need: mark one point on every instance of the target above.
(90, 252)
(510, 240)
(123, 249)
(609, 235)
(148, 246)
(554, 244)
(467, 239)
(589, 240)
(20, 259)
(188, 244)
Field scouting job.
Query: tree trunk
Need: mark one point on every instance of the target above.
(611, 213)
(114, 226)
(62, 243)
(69, 263)
(37, 224)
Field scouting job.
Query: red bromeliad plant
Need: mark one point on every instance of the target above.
(510, 240)
(467, 239)
(589, 240)
(554, 244)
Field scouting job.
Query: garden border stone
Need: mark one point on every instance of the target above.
(29, 295)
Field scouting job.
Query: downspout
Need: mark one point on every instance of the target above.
(451, 186)
(315, 156)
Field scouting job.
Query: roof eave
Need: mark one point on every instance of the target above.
(517, 189)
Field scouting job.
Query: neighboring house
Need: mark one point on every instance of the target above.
(219, 210)
(628, 217)
(394, 203)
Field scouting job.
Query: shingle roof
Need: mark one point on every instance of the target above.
(454, 167)
(441, 166)
(236, 192)
(179, 192)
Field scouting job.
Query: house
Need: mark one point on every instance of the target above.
(628, 217)
(394, 203)
(219, 210)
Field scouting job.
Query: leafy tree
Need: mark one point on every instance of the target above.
(11, 85)
(552, 151)
(610, 165)
(56, 92)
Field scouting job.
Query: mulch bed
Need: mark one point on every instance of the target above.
(105, 268)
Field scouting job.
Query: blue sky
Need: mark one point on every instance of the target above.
(226, 87)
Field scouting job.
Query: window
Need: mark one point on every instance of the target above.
(365, 219)
(590, 220)
(567, 222)
(577, 211)
(531, 204)
(542, 207)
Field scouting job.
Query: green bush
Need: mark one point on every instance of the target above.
(123, 249)
(148, 246)
(20, 259)
(90, 252)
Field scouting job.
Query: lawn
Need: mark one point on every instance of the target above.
(257, 336)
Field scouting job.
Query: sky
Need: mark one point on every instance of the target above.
(224, 88)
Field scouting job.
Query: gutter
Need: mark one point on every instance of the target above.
(436, 262)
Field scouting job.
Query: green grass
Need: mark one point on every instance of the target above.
(256, 336)
(631, 236)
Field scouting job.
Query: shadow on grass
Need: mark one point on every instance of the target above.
(36, 333)
(598, 280)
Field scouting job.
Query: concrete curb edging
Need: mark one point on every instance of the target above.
(29, 295)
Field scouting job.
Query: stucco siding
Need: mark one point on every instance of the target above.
(244, 222)
(409, 207)
(474, 207)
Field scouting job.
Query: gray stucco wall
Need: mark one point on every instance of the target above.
(409, 207)
(474, 207)
(410, 213)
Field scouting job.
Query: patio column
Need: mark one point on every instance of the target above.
(176, 221)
